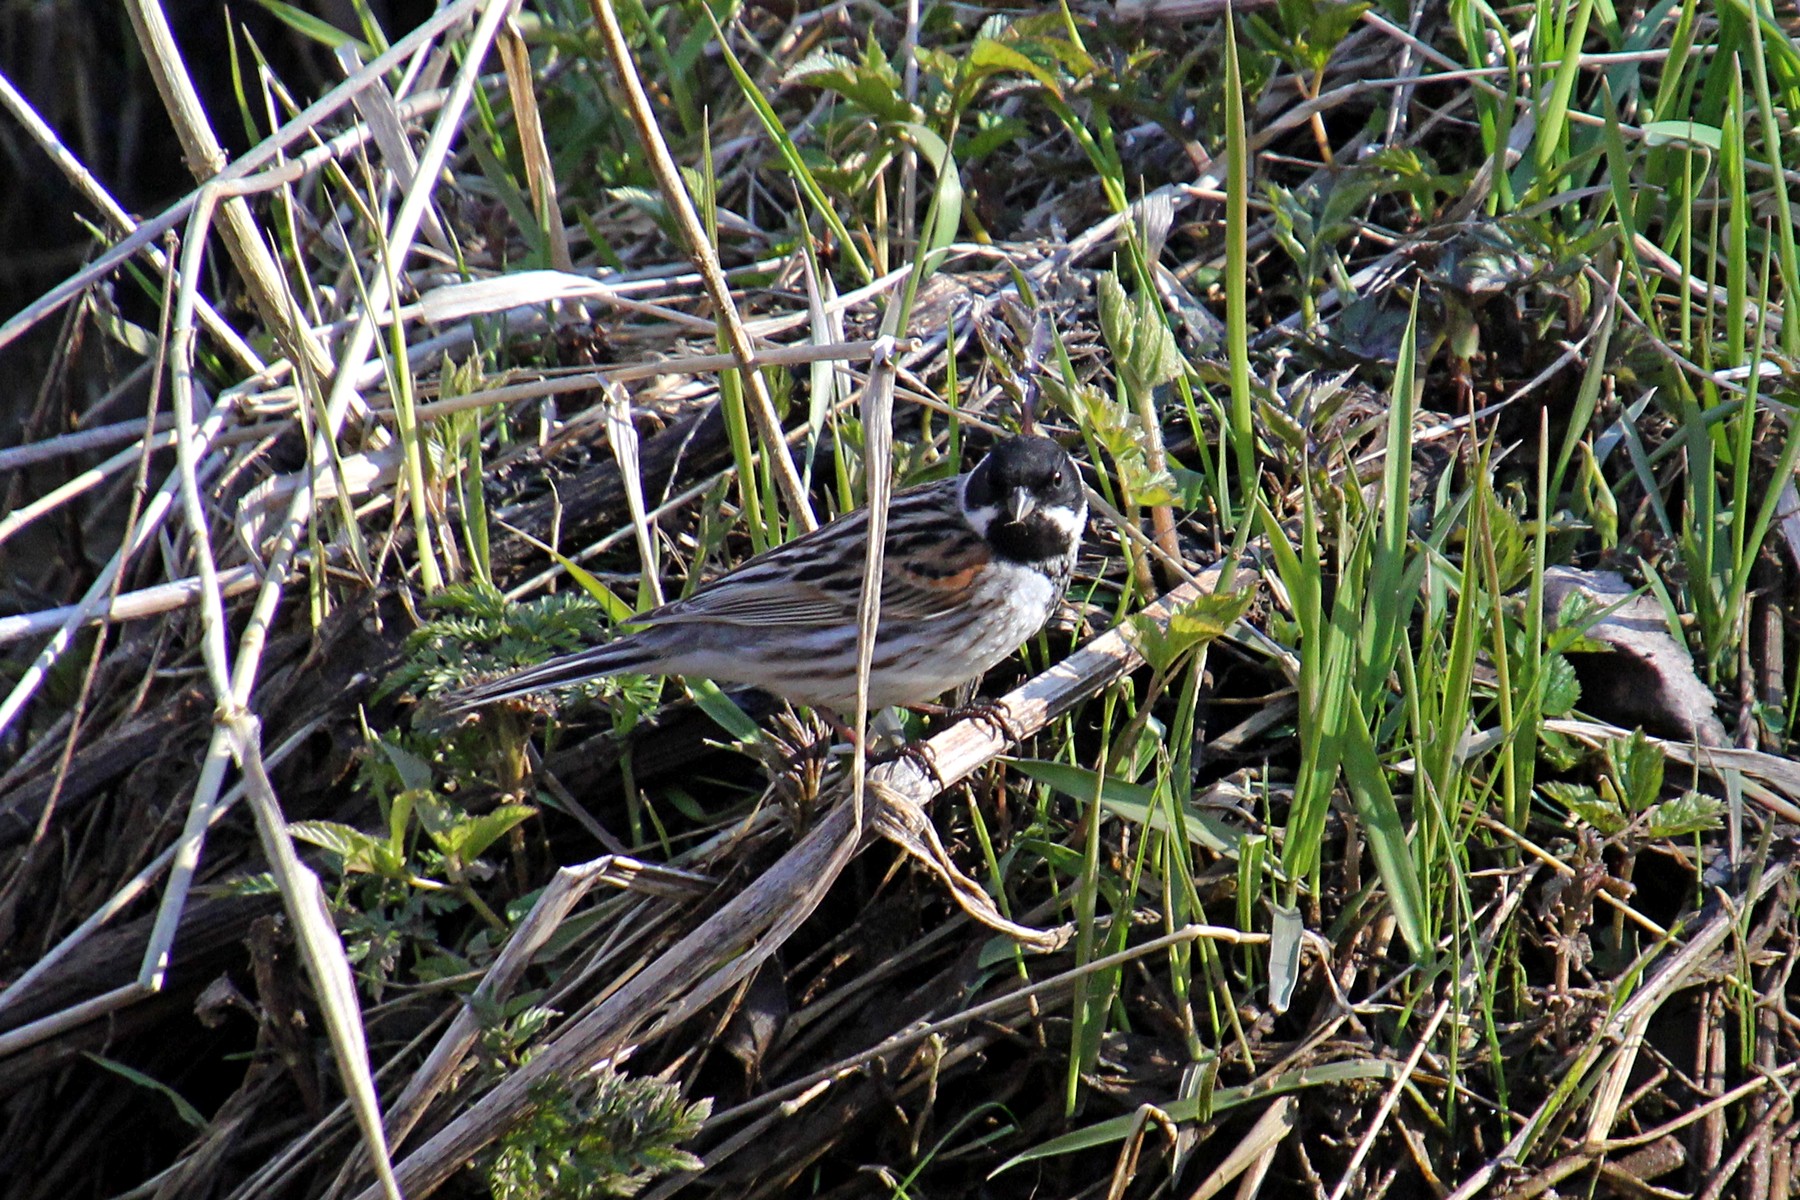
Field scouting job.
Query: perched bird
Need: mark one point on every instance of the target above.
(974, 565)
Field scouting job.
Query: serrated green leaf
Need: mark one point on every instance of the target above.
(1584, 802)
(1115, 315)
(988, 57)
(873, 86)
(346, 841)
(1155, 359)
(1195, 623)
(414, 771)
(1562, 689)
(1685, 816)
(1636, 766)
(469, 839)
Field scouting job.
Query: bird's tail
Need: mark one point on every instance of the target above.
(628, 655)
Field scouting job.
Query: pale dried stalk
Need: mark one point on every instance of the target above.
(14, 1040)
(540, 172)
(558, 898)
(156, 511)
(235, 689)
(76, 172)
(239, 734)
(1055, 988)
(207, 160)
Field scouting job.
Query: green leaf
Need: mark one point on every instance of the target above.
(187, 1112)
(1155, 359)
(469, 839)
(1133, 802)
(1199, 621)
(1562, 690)
(362, 853)
(989, 57)
(316, 28)
(1663, 133)
(1115, 315)
(1685, 816)
(872, 84)
(414, 772)
(1636, 766)
(346, 841)
(723, 710)
(947, 199)
(1117, 1129)
(1584, 802)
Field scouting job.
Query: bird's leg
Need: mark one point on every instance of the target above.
(905, 749)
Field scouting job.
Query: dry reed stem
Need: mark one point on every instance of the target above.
(114, 214)
(232, 682)
(207, 160)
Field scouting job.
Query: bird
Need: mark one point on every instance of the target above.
(974, 565)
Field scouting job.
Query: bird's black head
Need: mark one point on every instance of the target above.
(1026, 498)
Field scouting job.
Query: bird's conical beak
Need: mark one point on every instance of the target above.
(1019, 505)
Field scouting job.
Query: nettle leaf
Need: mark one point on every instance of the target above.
(1636, 766)
(1195, 623)
(1684, 816)
(1577, 613)
(1584, 802)
(1143, 347)
(414, 772)
(872, 84)
(342, 840)
(1562, 690)
(1155, 359)
(361, 853)
(437, 817)
(1143, 485)
(1106, 422)
(1115, 315)
(988, 57)
(470, 838)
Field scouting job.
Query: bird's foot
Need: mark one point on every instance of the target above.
(989, 713)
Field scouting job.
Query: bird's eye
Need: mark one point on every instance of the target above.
(1056, 477)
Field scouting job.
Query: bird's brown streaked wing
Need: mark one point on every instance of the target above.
(770, 601)
(815, 579)
(916, 587)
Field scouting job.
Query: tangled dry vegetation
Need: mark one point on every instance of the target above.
(1403, 804)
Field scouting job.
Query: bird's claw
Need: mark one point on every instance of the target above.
(989, 713)
(915, 752)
